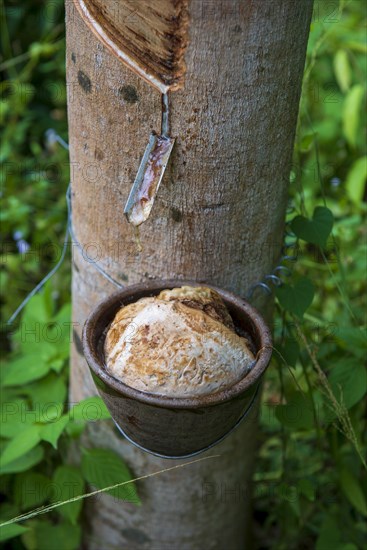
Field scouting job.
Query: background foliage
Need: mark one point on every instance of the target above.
(310, 481)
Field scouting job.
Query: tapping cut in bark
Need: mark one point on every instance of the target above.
(149, 37)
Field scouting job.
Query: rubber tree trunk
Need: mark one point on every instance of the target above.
(219, 217)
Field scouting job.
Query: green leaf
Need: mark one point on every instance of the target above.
(297, 414)
(75, 429)
(51, 389)
(51, 432)
(31, 340)
(348, 380)
(8, 510)
(353, 339)
(11, 531)
(57, 365)
(68, 483)
(356, 179)
(290, 351)
(21, 444)
(360, 47)
(38, 308)
(103, 468)
(306, 142)
(43, 535)
(352, 113)
(90, 409)
(63, 321)
(307, 489)
(31, 489)
(352, 490)
(63, 315)
(25, 369)
(25, 462)
(14, 418)
(297, 298)
(342, 70)
(329, 536)
(317, 230)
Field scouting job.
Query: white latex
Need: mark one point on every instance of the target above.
(166, 347)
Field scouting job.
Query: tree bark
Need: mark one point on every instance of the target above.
(218, 217)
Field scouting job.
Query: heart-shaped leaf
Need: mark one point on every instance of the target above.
(317, 230)
(297, 298)
(348, 380)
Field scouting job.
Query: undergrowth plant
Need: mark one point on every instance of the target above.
(310, 484)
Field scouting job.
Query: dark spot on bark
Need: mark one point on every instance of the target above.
(237, 28)
(78, 343)
(176, 214)
(84, 82)
(73, 57)
(98, 154)
(135, 535)
(129, 94)
(123, 277)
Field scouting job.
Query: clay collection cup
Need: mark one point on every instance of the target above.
(169, 426)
